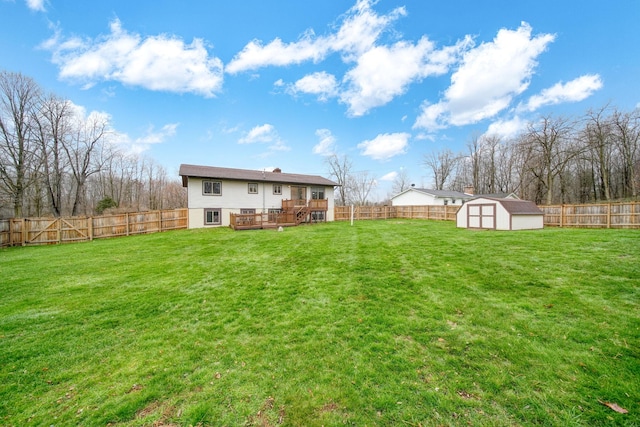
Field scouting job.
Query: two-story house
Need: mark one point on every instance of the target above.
(243, 198)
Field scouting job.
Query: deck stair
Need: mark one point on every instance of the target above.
(301, 214)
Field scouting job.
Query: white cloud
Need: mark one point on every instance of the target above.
(153, 137)
(256, 55)
(327, 144)
(322, 84)
(390, 176)
(134, 146)
(361, 29)
(162, 63)
(265, 134)
(507, 129)
(380, 73)
(385, 146)
(488, 79)
(36, 5)
(262, 133)
(358, 32)
(573, 91)
(384, 72)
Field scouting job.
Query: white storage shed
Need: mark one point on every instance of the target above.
(500, 214)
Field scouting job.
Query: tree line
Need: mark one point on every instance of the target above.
(57, 160)
(595, 158)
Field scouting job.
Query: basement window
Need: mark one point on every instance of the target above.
(213, 216)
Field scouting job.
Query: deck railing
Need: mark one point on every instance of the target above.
(313, 204)
(261, 220)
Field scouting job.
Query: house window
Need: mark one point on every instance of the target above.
(277, 189)
(247, 211)
(253, 188)
(317, 216)
(212, 216)
(212, 188)
(317, 193)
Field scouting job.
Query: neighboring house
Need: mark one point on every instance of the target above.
(254, 199)
(425, 197)
(499, 214)
(422, 197)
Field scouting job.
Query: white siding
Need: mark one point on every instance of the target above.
(468, 217)
(235, 196)
(415, 198)
(527, 222)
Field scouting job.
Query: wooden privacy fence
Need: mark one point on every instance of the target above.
(442, 212)
(602, 215)
(47, 231)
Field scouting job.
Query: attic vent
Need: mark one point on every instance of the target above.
(277, 170)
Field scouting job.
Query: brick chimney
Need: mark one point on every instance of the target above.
(277, 170)
(469, 189)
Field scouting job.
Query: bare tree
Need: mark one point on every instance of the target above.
(475, 161)
(442, 165)
(626, 135)
(18, 100)
(401, 182)
(85, 152)
(549, 150)
(53, 122)
(361, 185)
(598, 139)
(340, 170)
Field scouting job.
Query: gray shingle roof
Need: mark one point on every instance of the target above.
(250, 175)
(444, 193)
(517, 207)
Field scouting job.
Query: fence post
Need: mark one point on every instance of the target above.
(126, 220)
(24, 233)
(561, 215)
(90, 228)
(608, 215)
(59, 230)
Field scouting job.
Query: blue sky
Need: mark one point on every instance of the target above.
(260, 84)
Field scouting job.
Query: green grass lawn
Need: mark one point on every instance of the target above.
(398, 322)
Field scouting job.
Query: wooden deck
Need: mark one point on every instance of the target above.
(294, 212)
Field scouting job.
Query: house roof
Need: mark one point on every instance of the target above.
(250, 175)
(438, 193)
(457, 194)
(516, 207)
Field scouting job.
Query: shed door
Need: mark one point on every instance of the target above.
(481, 216)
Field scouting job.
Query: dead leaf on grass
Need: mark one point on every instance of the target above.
(465, 394)
(135, 387)
(329, 407)
(614, 406)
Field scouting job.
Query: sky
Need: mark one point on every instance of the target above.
(259, 84)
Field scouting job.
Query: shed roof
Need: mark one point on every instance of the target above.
(515, 206)
(250, 175)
